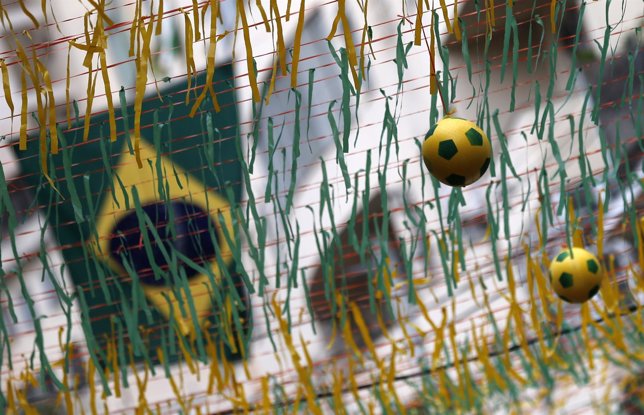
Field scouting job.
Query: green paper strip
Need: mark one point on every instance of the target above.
(308, 110)
(296, 151)
(339, 155)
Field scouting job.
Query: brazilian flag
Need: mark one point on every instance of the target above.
(150, 249)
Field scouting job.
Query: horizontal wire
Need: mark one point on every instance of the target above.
(302, 118)
(301, 71)
(332, 182)
(317, 293)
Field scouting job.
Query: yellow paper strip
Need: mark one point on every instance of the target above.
(600, 228)
(6, 86)
(191, 68)
(53, 132)
(334, 26)
(141, 82)
(296, 44)
(457, 26)
(134, 29)
(258, 3)
(100, 9)
(28, 14)
(250, 62)
(281, 48)
(160, 21)
(305, 379)
(23, 111)
(433, 82)
(195, 17)
(419, 23)
(210, 62)
(348, 41)
(266, 399)
(588, 344)
(446, 16)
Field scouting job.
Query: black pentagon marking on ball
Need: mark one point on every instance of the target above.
(562, 256)
(592, 266)
(476, 139)
(484, 167)
(189, 236)
(431, 131)
(455, 180)
(447, 149)
(593, 291)
(565, 280)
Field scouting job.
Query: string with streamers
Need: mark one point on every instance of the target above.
(358, 283)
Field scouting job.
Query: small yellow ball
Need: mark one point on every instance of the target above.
(576, 275)
(456, 151)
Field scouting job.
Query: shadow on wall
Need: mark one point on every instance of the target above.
(349, 277)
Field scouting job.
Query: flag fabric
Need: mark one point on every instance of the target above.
(150, 247)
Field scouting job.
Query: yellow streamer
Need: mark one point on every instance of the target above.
(640, 253)
(210, 62)
(281, 48)
(23, 111)
(600, 228)
(28, 14)
(297, 43)
(266, 399)
(419, 23)
(6, 86)
(446, 16)
(191, 68)
(334, 26)
(534, 316)
(305, 379)
(250, 62)
(349, 341)
(53, 133)
(160, 21)
(258, 3)
(433, 81)
(42, 115)
(141, 82)
(100, 9)
(288, 10)
(364, 332)
(337, 390)
(588, 345)
(134, 29)
(391, 375)
(91, 370)
(195, 17)
(173, 384)
(456, 360)
(352, 381)
(483, 355)
(608, 287)
(457, 26)
(364, 41)
(214, 367)
(348, 41)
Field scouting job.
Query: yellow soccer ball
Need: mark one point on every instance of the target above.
(576, 275)
(456, 151)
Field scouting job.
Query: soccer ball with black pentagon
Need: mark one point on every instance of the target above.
(456, 151)
(576, 275)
